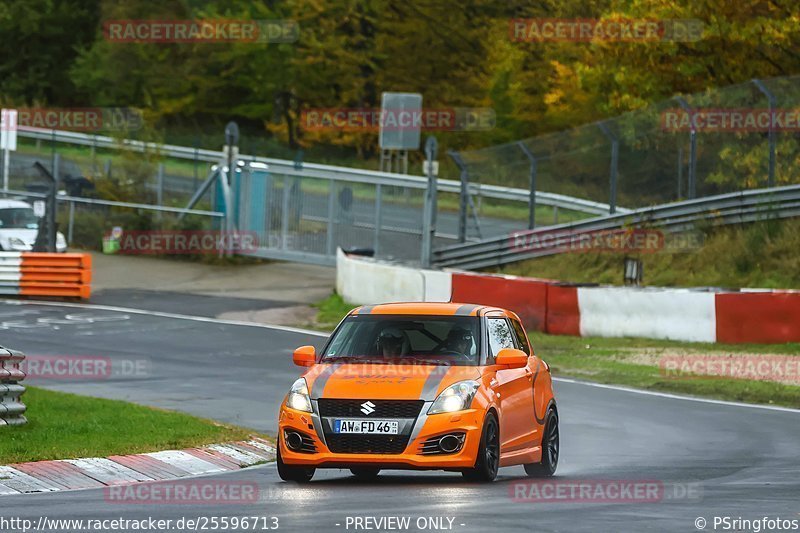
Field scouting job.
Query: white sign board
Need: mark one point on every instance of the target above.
(401, 121)
(39, 208)
(8, 129)
(433, 166)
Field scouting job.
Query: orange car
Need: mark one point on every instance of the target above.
(421, 386)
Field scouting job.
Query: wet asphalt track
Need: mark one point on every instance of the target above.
(736, 461)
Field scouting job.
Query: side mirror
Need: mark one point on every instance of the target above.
(511, 358)
(305, 356)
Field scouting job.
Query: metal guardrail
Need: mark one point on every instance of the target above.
(732, 208)
(12, 410)
(328, 172)
(94, 201)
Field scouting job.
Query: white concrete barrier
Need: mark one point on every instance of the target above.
(363, 280)
(676, 314)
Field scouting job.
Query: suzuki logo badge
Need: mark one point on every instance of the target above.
(367, 408)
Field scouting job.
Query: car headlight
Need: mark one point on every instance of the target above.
(298, 396)
(15, 242)
(456, 397)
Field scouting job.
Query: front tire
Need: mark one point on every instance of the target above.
(550, 449)
(488, 462)
(296, 474)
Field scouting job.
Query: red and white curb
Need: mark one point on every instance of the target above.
(97, 472)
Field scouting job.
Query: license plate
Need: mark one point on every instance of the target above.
(382, 427)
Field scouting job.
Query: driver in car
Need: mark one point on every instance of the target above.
(392, 342)
(459, 340)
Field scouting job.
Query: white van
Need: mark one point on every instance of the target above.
(19, 226)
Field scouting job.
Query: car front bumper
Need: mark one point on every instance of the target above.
(431, 427)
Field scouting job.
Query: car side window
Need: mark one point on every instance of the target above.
(500, 335)
(521, 337)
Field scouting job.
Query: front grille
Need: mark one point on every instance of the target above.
(383, 408)
(387, 444)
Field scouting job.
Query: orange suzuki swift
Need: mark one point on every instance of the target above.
(421, 386)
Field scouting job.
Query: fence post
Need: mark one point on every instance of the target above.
(160, 184)
(429, 210)
(71, 221)
(285, 213)
(680, 172)
(378, 216)
(772, 100)
(331, 248)
(612, 186)
(464, 198)
(692, 186)
(532, 185)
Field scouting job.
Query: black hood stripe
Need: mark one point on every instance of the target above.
(322, 379)
(432, 383)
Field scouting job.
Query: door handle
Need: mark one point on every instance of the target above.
(528, 374)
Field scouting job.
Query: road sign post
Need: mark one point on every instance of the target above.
(429, 215)
(8, 139)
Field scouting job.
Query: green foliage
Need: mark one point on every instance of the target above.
(458, 54)
(758, 255)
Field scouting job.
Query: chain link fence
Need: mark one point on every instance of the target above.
(725, 140)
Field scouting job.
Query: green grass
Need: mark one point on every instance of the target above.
(330, 312)
(608, 360)
(760, 255)
(67, 426)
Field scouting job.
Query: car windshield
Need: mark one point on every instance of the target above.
(385, 339)
(18, 218)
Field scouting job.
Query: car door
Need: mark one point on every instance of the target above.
(534, 369)
(513, 386)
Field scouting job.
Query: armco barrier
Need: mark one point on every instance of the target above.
(45, 274)
(698, 315)
(11, 407)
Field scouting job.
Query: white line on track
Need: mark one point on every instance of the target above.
(322, 334)
(167, 315)
(678, 396)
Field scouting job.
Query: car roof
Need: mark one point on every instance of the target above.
(5, 203)
(426, 308)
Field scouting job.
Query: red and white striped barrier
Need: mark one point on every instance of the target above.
(699, 315)
(45, 274)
